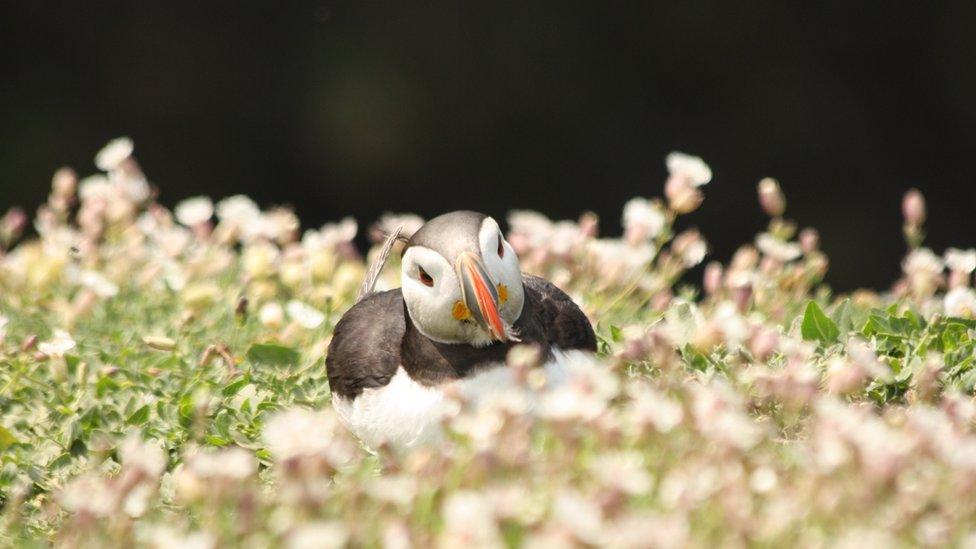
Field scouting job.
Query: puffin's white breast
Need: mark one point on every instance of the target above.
(405, 413)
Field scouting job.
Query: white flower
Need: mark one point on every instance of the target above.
(624, 471)
(763, 480)
(650, 406)
(330, 235)
(691, 168)
(533, 227)
(778, 249)
(305, 315)
(389, 222)
(923, 261)
(588, 388)
(271, 315)
(960, 302)
(59, 344)
(580, 515)
(98, 283)
(135, 188)
(961, 260)
(643, 219)
(238, 210)
(279, 224)
(88, 494)
(164, 537)
(147, 457)
(298, 432)
(691, 247)
(96, 187)
(233, 464)
(114, 153)
(469, 520)
(619, 261)
(319, 535)
(194, 211)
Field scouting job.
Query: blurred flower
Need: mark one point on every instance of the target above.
(923, 270)
(469, 521)
(763, 480)
(691, 169)
(260, 259)
(159, 343)
(913, 208)
(844, 377)
(89, 494)
(619, 262)
(389, 222)
(298, 433)
(271, 315)
(114, 154)
(580, 515)
(809, 240)
(319, 535)
(98, 283)
(330, 235)
(59, 344)
(305, 315)
(623, 471)
(12, 225)
(194, 211)
(691, 247)
(163, 537)
(231, 464)
(651, 407)
(643, 220)
(238, 210)
(771, 197)
(777, 248)
(147, 456)
(961, 260)
(686, 174)
(960, 302)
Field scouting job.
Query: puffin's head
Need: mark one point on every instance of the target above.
(461, 280)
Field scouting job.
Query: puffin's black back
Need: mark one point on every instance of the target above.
(375, 337)
(365, 347)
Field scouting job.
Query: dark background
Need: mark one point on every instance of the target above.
(362, 107)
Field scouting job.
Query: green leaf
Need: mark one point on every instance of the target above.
(817, 326)
(139, 417)
(272, 354)
(231, 388)
(842, 316)
(6, 438)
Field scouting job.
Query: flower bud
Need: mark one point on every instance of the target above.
(159, 343)
(771, 197)
(64, 184)
(713, 278)
(12, 225)
(913, 208)
(809, 240)
(682, 197)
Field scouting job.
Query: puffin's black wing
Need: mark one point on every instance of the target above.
(564, 323)
(365, 347)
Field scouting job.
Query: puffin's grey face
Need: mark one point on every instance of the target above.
(461, 280)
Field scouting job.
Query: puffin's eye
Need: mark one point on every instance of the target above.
(424, 277)
(501, 248)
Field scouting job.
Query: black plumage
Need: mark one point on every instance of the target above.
(376, 337)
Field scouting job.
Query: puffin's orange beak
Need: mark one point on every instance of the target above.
(479, 294)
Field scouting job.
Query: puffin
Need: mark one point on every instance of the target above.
(462, 305)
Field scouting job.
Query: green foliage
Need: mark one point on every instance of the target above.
(817, 326)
